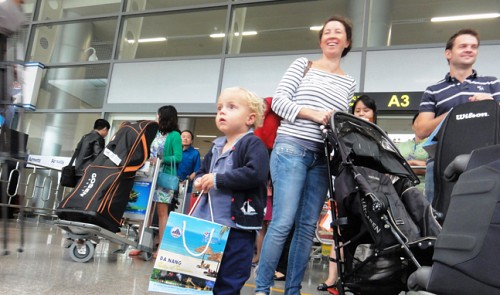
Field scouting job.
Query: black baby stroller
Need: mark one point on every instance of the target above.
(377, 204)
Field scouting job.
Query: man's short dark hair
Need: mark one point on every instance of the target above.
(451, 41)
(101, 124)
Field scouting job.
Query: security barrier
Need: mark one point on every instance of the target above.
(35, 190)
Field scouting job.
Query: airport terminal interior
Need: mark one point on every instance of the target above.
(123, 59)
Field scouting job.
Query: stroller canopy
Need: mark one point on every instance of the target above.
(365, 144)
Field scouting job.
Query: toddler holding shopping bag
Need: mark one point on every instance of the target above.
(234, 173)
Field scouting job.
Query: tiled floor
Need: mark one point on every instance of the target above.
(45, 267)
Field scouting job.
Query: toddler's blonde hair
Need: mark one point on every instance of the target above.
(255, 104)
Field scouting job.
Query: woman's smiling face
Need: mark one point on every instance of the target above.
(334, 38)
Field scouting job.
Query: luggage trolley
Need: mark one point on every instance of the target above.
(86, 236)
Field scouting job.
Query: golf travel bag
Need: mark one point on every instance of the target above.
(102, 193)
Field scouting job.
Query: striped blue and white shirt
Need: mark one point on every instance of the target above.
(317, 90)
(449, 92)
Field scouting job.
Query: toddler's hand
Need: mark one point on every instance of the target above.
(197, 184)
(207, 182)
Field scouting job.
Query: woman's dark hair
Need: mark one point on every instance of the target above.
(167, 119)
(369, 103)
(348, 30)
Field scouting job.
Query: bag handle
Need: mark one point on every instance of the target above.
(171, 162)
(174, 166)
(77, 151)
(211, 232)
(186, 247)
(306, 69)
(198, 201)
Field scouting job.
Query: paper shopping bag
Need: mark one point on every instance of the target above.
(189, 256)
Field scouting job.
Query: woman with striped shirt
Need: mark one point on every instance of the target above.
(306, 97)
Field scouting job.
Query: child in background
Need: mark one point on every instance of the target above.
(234, 173)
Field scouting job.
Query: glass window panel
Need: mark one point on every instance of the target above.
(73, 42)
(141, 5)
(171, 35)
(61, 9)
(165, 81)
(16, 44)
(28, 7)
(406, 22)
(82, 87)
(56, 134)
(398, 127)
(247, 71)
(287, 26)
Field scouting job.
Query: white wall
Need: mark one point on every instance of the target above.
(196, 81)
(262, 74)
(415, 69)
(186, 81)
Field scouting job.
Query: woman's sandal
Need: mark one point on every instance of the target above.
(325, 287)
(134, 252)
(280, 277)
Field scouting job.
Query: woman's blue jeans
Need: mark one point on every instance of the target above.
(300, 183)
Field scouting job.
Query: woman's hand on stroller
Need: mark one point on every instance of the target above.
(318, 116)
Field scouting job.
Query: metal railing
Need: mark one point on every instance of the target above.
(35, 189)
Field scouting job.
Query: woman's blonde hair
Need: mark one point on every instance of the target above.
(255, 104)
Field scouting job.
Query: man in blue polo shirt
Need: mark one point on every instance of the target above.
(462, 84)
(190, 160)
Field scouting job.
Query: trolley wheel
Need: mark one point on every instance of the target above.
(147, 256)
(81, 252)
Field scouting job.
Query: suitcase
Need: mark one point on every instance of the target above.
(102, 193)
